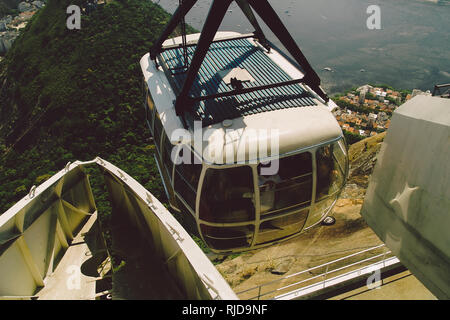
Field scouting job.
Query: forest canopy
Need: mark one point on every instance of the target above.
(71, 95)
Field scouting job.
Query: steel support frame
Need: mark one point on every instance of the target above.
(214, 18)
(178, 15)
(248, 90)
(259, 35)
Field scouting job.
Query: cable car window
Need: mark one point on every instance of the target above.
(228, 195)
(157, 131)
(282, 227)
(290, 188)
(187, 176)
(167, 155)
(149, 110)
(330, 171)
(225, 238)
(340, 153)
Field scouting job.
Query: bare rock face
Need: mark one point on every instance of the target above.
(283, 266)
(353, 191)
(363, 157)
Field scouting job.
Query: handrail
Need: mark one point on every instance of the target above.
(335, 270)
(324, 275)
(438, 87)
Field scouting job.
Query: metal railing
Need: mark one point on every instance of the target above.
(323, 276)
(442, 90)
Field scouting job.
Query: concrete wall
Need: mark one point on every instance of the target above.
(407, 203)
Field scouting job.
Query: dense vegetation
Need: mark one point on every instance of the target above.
(4, 10)
(352, 137)
(71, 95)
(8, 7)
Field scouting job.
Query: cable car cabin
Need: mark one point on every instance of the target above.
(240, 198)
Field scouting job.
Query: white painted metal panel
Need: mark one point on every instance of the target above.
(194, 273)
(38, 227)
(35, 230)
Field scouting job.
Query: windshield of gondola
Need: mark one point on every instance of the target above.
(227, 195)
(290, 188)
(331, 168)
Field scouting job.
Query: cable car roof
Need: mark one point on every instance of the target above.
(225, 58)
(299, 127)
(294, 129)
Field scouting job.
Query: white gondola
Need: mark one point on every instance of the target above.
(261, 173)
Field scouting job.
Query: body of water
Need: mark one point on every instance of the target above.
(411, 50)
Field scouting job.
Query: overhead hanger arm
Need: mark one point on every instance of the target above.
(248, 12)
(212, 23)
(273, 21)
(213, 20)
(177, 17)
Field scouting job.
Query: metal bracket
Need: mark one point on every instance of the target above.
(122, 176)
(32, 192)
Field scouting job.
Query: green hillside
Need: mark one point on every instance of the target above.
(69, 95)
(8, 7)
(4, 10)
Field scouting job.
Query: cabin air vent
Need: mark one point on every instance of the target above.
(227, 123)
(235, 77)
